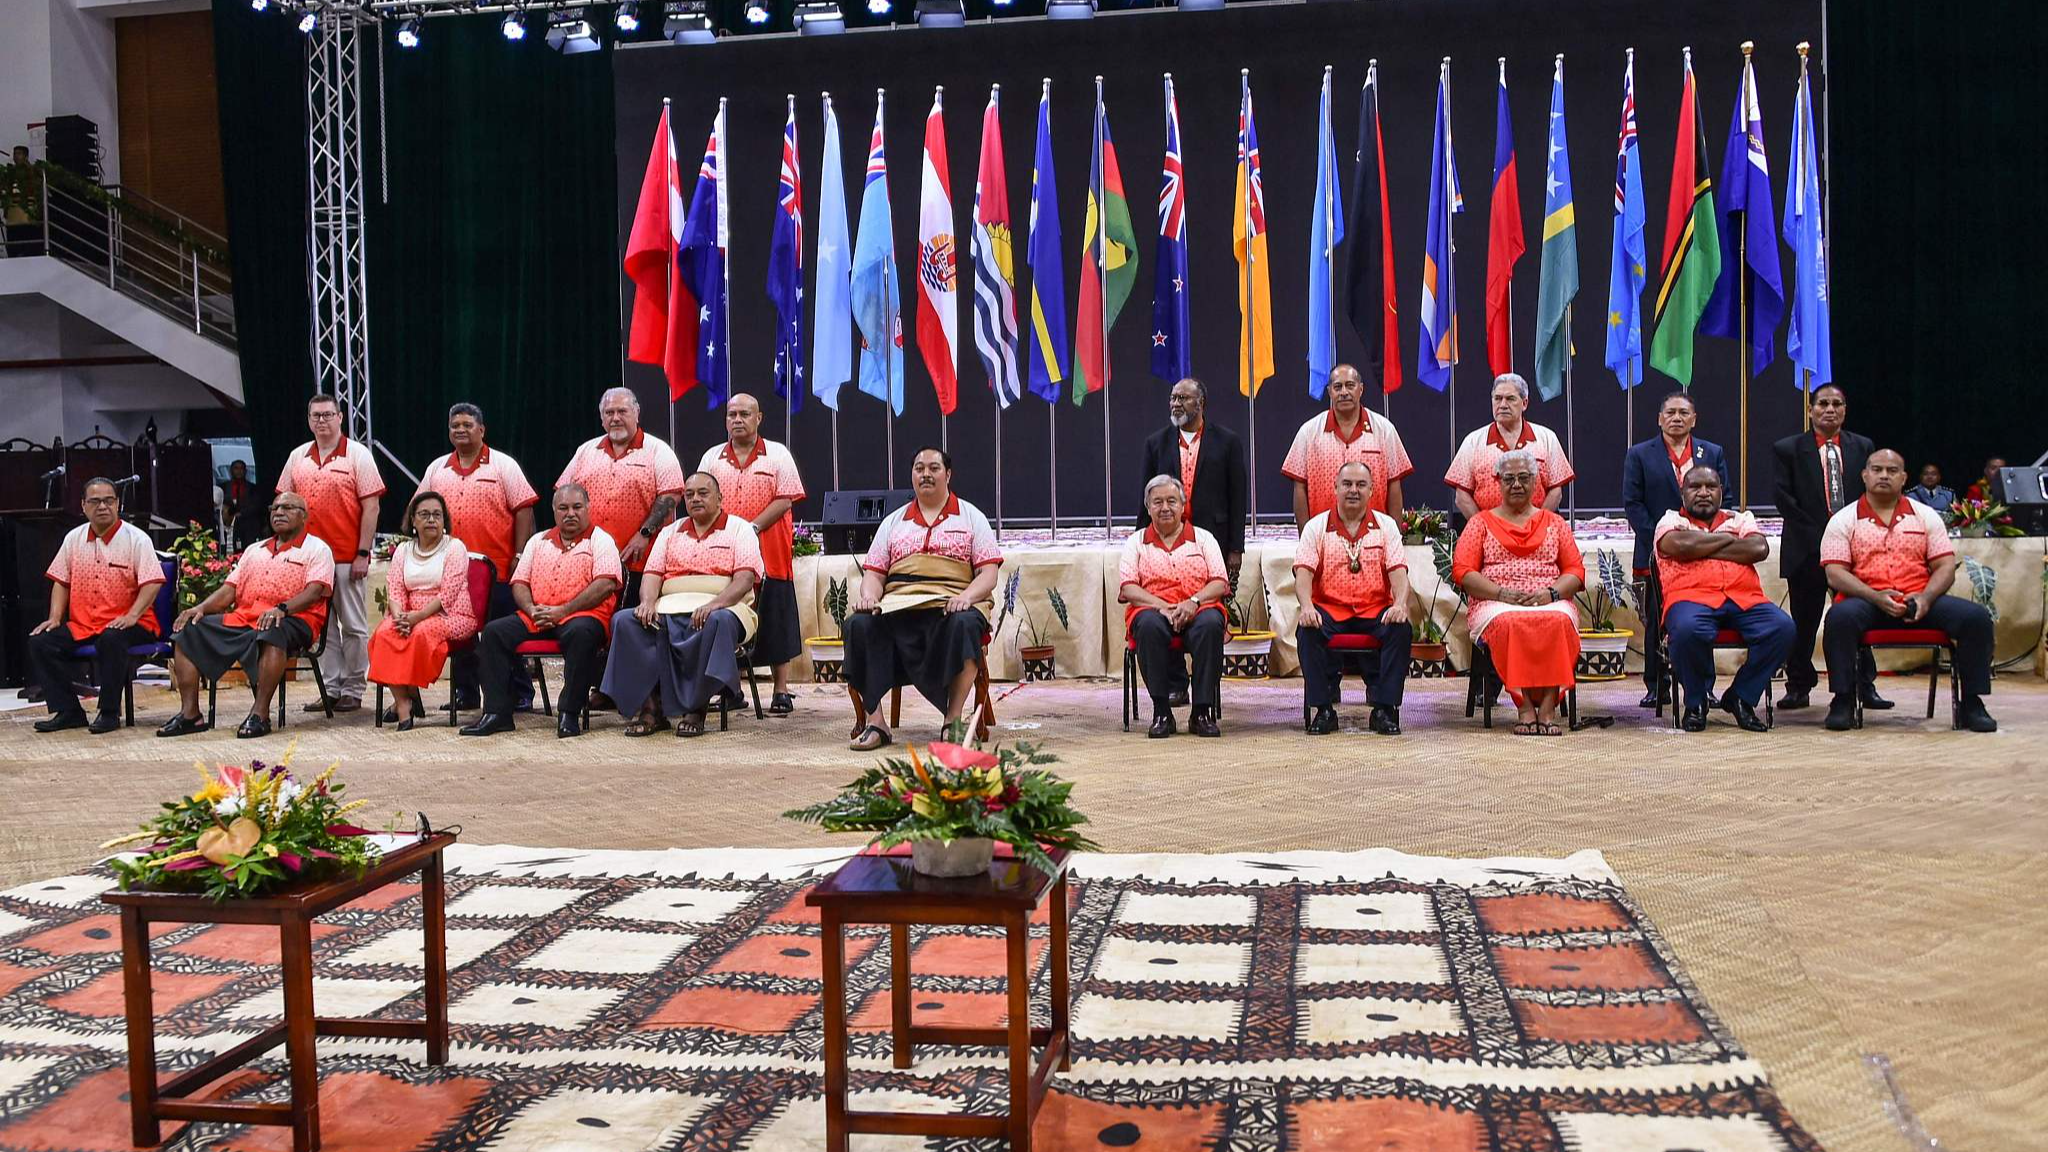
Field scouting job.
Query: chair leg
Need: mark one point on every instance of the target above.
(1933, 675)
(895, 708)
(281, 682)
(754, 690)
(379, 706)
(860, 712)
(984, 707)
(210, 688)
(724, 705)
(1571, 708)
(540, 677)
(128, 700)
(1129, 702)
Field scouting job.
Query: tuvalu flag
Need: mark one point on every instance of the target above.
(1504, 240)
(1438, 309)
(1109, 261)
(1369, 265)
(664, 327)
(1747, 176)
(1558, 268)
(1625, 266)
(1692, 256)
(786, 271)
(938, 267)
(995, 292)
(1048, 364)
(1248, 240)
(1172, 360)
(877, 309)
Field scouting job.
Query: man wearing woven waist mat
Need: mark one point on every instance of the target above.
(676, 651)
(922, 612)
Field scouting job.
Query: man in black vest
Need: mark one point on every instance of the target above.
(1208, 459)
(1818, 472)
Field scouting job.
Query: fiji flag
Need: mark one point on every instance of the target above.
(1627, 267)
(1171, 358)
(1325, 232)
(786, 272)
(1048, 364)
(1806, 341)
(876, 307)
(702, 254)
(1439, 307)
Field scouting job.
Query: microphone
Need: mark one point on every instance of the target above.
(127, 480)
(52, 474)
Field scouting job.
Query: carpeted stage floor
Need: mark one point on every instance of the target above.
(1830, 895)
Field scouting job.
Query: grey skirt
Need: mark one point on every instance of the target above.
(214, 646)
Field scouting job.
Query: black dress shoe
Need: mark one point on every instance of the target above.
(568, 724)
(1842, 713)
(62, 722)
(1872, 702)
(1162, 726)
(1177, 698)
(1973, 716)
(461, 704)
(183, 725)
(1794, 699)
(33, 693)
(390, 714)
(1324, 722)
(252, 727)
(488, 724)
(1695, 719)
(1385, 720)
(104, 723)
(1204, 724)
(1745, 716)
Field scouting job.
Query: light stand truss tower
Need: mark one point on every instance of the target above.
(336, 264)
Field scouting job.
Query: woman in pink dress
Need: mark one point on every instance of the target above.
(1520, 567)
(428, 584)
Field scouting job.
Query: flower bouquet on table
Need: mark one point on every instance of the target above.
(952, 805)
(1422, 524)
(247, 831)
(1974, 517)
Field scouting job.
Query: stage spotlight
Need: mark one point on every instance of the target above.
(1069, 9)
(940, 14)
(308, 21)
(628, 17)
(878, 7)
(569, 33)
(409, 32)
(1000, 3)
(258, 5)
(688, 22)
(757, 12)
(819, 18)
(513, 26)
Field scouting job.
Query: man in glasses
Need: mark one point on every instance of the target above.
(102, 585)
(342, 490)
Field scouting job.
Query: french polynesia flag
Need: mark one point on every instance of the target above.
(664, 328)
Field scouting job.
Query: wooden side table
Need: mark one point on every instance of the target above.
(292, 911)
(884, 890)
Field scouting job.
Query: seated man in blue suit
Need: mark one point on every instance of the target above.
(1652, 479)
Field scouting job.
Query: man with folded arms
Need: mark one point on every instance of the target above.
(564, 585)
(103, 583)
(922, 611)
(274, 603)
(1348, 432)
(759, 484)
(675, 652)
(1891, 564)
(1351, 578)
(1173, 583)
(1706, 562)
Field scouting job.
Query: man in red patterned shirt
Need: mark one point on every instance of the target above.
(1173, 581)
(1348, 432)
(758, 482)
(1351, 578)
(102, 584)
(343, 490)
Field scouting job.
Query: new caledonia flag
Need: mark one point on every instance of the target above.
(1109, 260)
(1172, 360)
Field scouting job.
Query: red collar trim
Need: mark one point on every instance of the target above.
(717, 525)
(1153, 537)
(1865, 510)
(952, 508)
(760, 446)
(483, 457)
(313, 453)
(554, 536)
(108, 538)
(1330, 425)
(634, 445)
(1336, 524)
(275, 545)
(1525, 438)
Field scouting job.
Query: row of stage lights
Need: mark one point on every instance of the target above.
(569, 29)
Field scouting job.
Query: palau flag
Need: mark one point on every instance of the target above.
(1626, 267)
(1504, 240)
(1172, 360)
(1692, 254)
(702, 259)
(1369, 264)
(876, 307)
(1109, 262)
(1806, 340)
(995, 285)
(1746, 188)
(1325, 232)
(1254, 276)
(1438, 309)
(786, 271)
(1048, 360)
(1558, 270)
(832, 305)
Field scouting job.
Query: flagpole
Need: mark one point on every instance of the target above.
(1102, 299)
(1806, 375)
(788, 368)
(938, 102)
(1742, 288)
(725, 263)
(840, 176)
(1511, 280)
(1628, 427)
(891, 342)
(674, 184)
(1372, 77)
(1052, 410)
(1450, 273)
(995, 95)
(1250, 298)
(1571, 424)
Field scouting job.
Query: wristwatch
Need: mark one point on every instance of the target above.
(1553, 594)
(362, 553)
(647, 532)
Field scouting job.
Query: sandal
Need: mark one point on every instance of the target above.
(646, 725)
(691, 725)
(1528, 728)
(781, 704)
(870, 738)
(1551, 729)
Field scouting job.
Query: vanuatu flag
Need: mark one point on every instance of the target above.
(1109, 262)
(1692, 253)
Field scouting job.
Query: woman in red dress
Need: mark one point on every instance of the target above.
(428, 584)
(1520, 567)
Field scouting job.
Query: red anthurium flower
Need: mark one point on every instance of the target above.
(957, 758)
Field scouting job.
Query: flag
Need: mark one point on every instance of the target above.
(1558, 269)
(832, 303)
(1325, 232)
(995, 285)
(701, 255)
(1369, 268)
(1748, 191)
(1626, 267)
(1109, 262)
(1172, 360)
(938, 269)
(1504, 240)
(660, 334)
(1048, 276)
(786, 271)
(1438, 309)
(1248, 240)
(875, 305)
(1692, 258)
(1806, 340)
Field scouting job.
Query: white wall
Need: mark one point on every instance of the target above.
(57, 59)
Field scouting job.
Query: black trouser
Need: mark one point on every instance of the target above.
(53, 656)
(581, 640)
(1965, 621)
(1384, 670)
(1807, 593)
(1201, 640)
(462, 666)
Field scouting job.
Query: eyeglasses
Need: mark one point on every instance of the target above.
(98, 501)
(1517, 479)
(324, 415)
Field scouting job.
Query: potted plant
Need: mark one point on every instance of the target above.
(1038, 654)
(804, 542)
(1247, 652)
(953, 804)
(828, 652)
(1603, 647)
(1430, 654)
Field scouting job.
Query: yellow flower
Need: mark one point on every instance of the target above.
(214, 790)
(924, 806)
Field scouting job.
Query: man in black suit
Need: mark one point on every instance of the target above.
(1818, 472)
(1651, 485)
(1208, 459)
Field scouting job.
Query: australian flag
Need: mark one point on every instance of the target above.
(702, 255)
(1171, 357)
(786, 272)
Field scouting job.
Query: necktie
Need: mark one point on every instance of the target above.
(1831, 455)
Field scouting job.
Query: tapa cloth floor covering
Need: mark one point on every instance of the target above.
(670, 1000)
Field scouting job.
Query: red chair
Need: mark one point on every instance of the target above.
(1342, 642)
(1131, 677)
(1727, 638)
(1936, 641)
(481, 573)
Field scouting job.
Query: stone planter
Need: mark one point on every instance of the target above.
(967, 856)
(827, 653)
(1037, 660)
(1246, 655)
(1603, 655)
(1428, 661)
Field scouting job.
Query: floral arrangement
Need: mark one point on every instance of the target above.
(805, 542)
(1981, 517)
(202, 566)
(1029, 624)
(246, 832)
(1422, 525)
(955, 793)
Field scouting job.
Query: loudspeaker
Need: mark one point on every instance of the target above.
(73, 142)
(852, 515)
(2025, 491)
